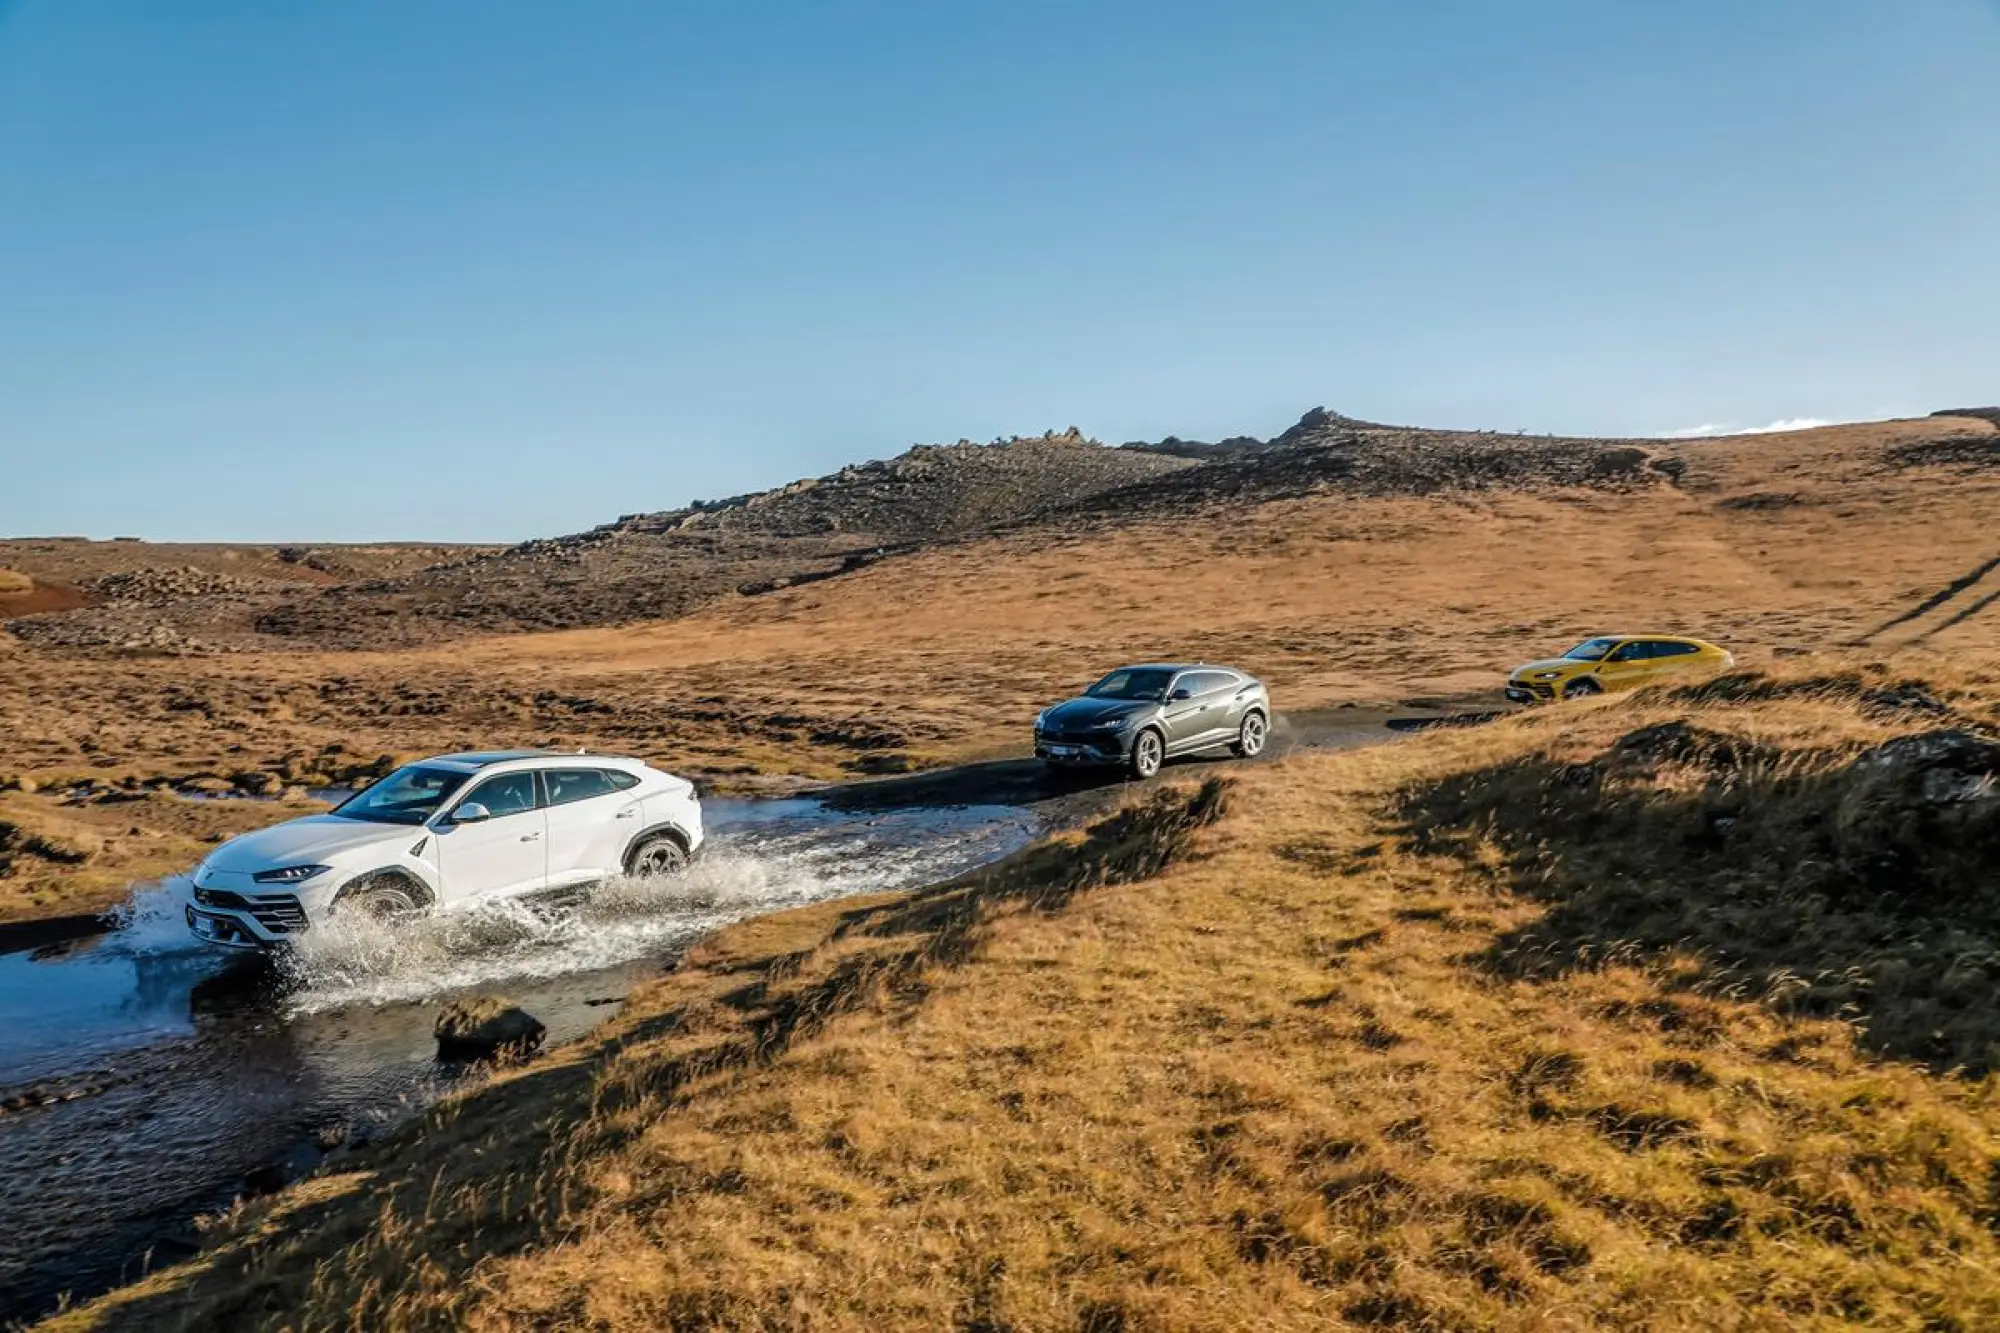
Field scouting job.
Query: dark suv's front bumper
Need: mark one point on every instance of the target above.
(1083, 749)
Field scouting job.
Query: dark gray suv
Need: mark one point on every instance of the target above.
(1138, 717)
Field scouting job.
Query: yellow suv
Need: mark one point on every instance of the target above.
(1615, 662)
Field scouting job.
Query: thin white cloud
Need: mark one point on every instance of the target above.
(1709, 430)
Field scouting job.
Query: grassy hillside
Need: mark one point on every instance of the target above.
(1666, 1012)
(1879, 535)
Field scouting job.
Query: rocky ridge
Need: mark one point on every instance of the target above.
(665, 564)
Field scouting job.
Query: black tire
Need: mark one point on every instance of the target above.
(1251, 736)
(657, 854)
(384, 898)
(1582, 688)
(1149, 752)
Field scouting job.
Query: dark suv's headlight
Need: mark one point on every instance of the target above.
(289, 875)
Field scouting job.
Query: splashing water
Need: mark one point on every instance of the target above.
(152, 919)
(777, 855)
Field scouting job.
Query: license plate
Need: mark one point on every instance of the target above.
(1063, 751)
(215, 929)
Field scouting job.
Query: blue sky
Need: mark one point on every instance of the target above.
(496, 270)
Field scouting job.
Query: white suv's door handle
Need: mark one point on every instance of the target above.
(626, 814)
(531, 837)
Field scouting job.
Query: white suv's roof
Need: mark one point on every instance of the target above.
(473, 761)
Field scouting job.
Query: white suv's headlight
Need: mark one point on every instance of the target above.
(289, 875)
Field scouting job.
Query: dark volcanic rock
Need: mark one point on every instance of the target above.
(1923, 809)
(476, 1029)
(1991, 414)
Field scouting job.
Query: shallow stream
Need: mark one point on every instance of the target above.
(150, 1079)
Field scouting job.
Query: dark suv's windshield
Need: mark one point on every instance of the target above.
(1133, 683)
(407, 796)
(1591, 650)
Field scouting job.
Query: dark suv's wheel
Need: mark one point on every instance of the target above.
(656, 854)
(1149, 751)
(1582, 688)
(383, 898)
(1250, 737)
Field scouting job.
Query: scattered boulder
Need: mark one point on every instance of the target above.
(482, 1028)
(1935, 769)
(257, 782)
(1923, 807)
(1682, 742)
(155, 585)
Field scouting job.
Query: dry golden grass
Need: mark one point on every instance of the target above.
(58, 858)
(1280, 1071)
(13, 581)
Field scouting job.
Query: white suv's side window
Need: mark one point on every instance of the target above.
(577, 784)
(508, 794)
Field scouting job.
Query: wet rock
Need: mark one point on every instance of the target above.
(257, 782)
(171, 1247)
(477, 1029)
(881, 765)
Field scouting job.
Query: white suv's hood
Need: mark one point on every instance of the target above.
(303, 841)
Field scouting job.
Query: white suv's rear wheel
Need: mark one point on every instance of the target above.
(661, 854)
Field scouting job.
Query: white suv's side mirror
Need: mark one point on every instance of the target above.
(472, 812)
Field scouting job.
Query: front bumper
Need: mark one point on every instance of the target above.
(1530, 691)
(233, 910)
(231, 930)
(1083, 750)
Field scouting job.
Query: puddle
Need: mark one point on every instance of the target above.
(147, 1076)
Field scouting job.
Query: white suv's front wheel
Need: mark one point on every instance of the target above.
(384, 898)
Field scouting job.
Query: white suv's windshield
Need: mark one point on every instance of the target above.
(1591, 650)
(1147, 683)
(407, 796)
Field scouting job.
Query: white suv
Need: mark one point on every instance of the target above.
(447, 831)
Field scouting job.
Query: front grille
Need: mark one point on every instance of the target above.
(1096, 740)
(278, 913)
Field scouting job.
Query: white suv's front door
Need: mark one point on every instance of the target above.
(505, 853)
(591, 820)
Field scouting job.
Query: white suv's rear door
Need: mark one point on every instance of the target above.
(593, 813)
(503, 854)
